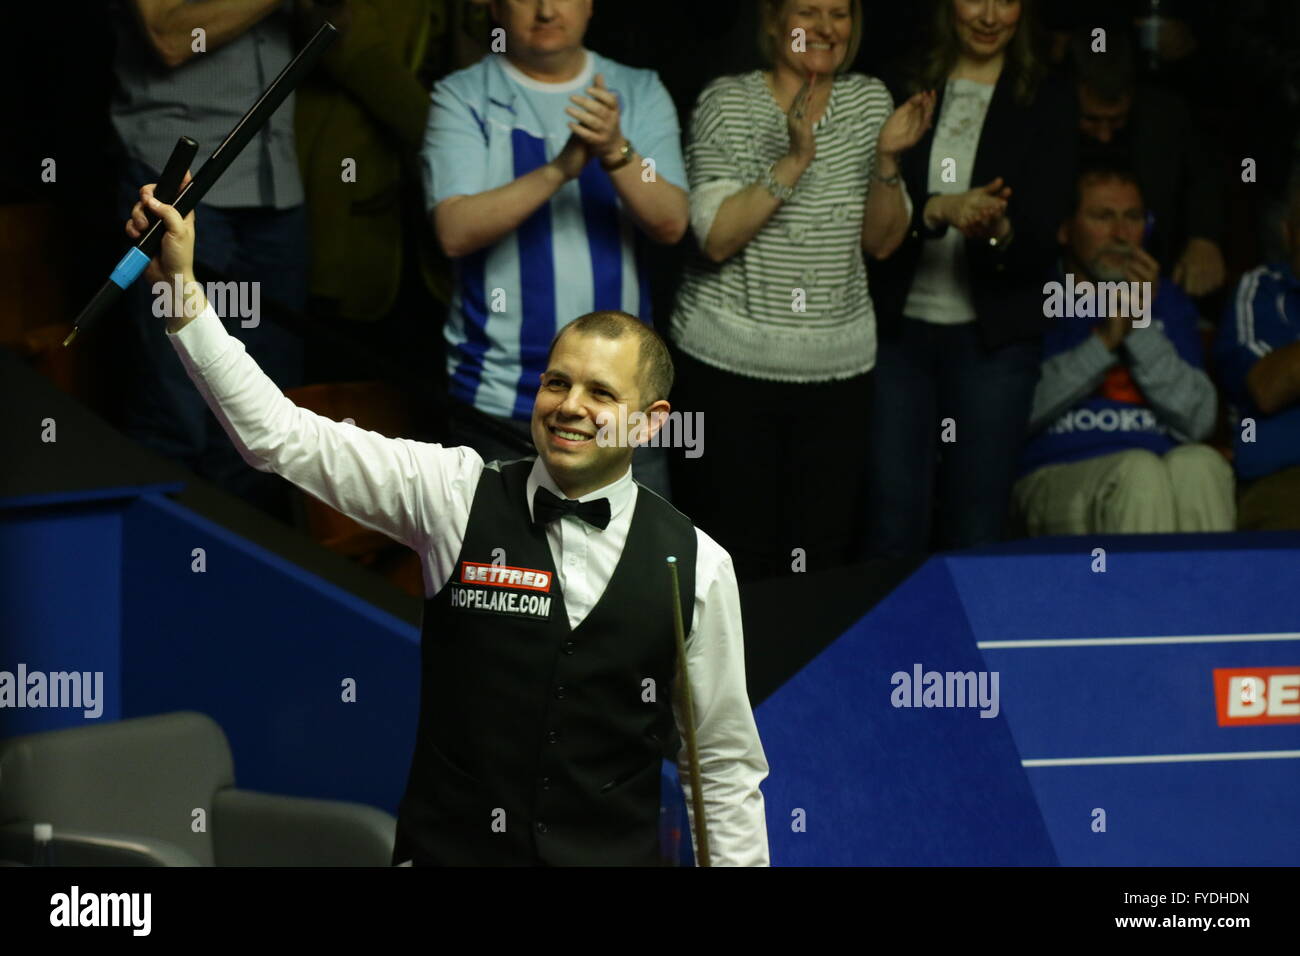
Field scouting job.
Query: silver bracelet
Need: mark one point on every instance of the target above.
(778, 189)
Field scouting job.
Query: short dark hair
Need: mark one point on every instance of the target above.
(656, 365)
(1109, 76)
(1103, 172)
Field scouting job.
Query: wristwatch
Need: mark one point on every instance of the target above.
(777, 188)
(624, 157)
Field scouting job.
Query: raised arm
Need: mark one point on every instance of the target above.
(727, 213)
(888, 208)
(732, 763)
(414, 492)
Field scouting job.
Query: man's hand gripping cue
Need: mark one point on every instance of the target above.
(174, 263)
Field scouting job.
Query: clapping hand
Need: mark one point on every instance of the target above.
(573, 158)
(907, 124)
(799, 123)
(978, 213)
(597, 119)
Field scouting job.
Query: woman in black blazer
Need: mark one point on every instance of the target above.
(960, 303)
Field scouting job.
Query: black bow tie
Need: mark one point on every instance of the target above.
(547, 507)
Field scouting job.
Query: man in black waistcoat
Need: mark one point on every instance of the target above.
(548, 698)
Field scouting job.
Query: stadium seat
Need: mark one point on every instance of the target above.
(160, 791)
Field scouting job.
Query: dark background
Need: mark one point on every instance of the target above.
(1241, 80)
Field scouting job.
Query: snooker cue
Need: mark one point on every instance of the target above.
(138, 256)
(688, 705)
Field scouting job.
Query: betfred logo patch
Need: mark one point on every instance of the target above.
(1257, 695)
(503, 576)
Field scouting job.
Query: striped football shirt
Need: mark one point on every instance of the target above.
(488, 125)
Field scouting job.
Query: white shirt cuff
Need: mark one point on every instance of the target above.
(200, 340)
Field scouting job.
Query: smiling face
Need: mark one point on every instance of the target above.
(587, 380)
(985, 27)
(1105, 229)
(542, 28)
(827, 28)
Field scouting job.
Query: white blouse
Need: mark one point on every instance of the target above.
(940, 290)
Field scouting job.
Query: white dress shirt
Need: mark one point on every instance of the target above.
(420, 494)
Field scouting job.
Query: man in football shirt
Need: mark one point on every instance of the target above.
(546, 166)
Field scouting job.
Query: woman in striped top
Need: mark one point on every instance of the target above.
(793, 173)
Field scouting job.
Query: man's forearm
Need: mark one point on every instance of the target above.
(1274, 380)
(1182, 395)
(169, 24)
(732, 762)
(466, 224)
(188, 301)
(1067, 378)
(382, 483)
(734, 807)
(661, 210)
